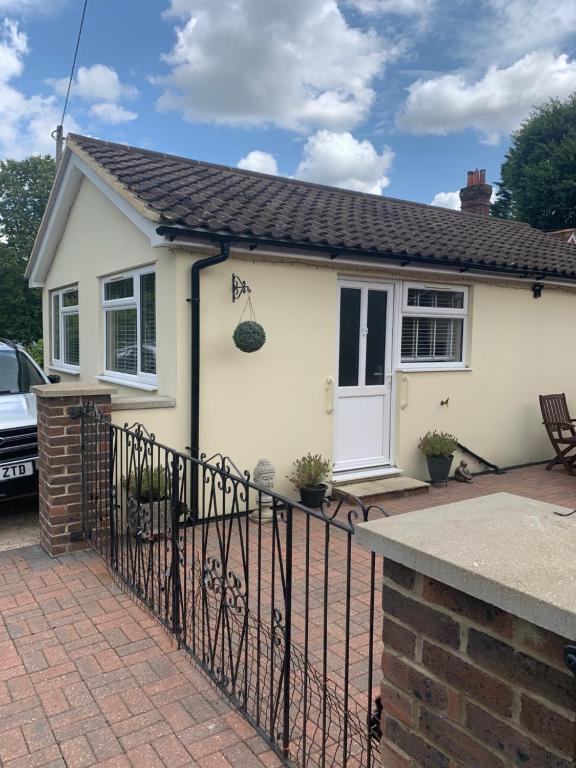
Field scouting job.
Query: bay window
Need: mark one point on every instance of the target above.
(433, 327)
(65, 329)
(129, 303)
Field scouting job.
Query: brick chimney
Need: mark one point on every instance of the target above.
(475, 196)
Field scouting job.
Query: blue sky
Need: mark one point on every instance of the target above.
(399, 97)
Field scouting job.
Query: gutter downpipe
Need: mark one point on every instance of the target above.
(195, 361)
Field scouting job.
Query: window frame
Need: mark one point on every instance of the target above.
(59, 363)
(150, 380)
(442, 313)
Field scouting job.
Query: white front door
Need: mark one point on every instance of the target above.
(364, 376)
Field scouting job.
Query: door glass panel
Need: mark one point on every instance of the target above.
(376, 340)
(350, 300)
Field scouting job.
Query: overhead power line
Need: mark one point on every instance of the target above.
(74, 61)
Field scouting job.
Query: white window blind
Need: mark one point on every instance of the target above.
(433, 326)
(129, 303)
(65, 329)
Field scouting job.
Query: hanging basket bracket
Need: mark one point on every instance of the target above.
(239, 287)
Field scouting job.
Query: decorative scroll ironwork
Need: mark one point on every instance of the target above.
(239, 287)
(267, 609)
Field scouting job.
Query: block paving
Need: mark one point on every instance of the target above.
(88, 678)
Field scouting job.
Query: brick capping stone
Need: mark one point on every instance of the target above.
(60, 461)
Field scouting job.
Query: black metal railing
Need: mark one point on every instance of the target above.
(271, 598)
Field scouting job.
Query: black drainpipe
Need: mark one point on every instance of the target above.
(195, 359)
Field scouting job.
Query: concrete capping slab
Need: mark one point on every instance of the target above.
(141, 403)
(510, 551)
(72, 389)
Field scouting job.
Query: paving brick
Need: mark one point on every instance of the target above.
(38, 734)
(12, 745)
(51, 757)
(104, 744)
(77, 752)
(171, 751)
(144, 757)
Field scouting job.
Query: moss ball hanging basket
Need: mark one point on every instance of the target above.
(249, 336)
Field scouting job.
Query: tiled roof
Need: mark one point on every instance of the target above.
(211, 198)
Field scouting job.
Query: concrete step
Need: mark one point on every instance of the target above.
(370, 491)
(366, 475)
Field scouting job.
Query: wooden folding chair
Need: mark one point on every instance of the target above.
(560, 429)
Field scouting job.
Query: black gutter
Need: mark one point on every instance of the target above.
(173, 233)
(195, 357)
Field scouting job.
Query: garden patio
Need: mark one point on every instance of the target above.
(90, 679)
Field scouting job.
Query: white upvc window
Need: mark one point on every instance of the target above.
(65, 327)
(434, 327)
(129, 303)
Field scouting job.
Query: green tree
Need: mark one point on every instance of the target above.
(24, 189)
(539, 171)
(502, 207)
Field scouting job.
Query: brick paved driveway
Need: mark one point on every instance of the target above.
(88, 678)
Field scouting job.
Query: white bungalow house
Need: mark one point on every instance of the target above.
(383, 318)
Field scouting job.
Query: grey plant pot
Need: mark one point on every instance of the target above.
(313, 497)
(439, 468)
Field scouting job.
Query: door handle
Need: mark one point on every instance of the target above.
(330, 394)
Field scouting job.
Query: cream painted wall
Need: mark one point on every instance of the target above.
(98, 241)
(273, 403)
(270, 403)
(520, 348)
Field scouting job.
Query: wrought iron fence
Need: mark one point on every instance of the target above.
(271, 598)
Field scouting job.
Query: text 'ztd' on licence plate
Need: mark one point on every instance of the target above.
(16, 470)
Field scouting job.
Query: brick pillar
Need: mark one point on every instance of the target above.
(59, 461)
(468, 684)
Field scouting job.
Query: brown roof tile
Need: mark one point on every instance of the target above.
(216, 199)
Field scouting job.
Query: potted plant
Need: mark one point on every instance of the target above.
(146, 489)
(438, 447)
(308, 476)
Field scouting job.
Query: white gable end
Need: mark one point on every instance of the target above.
(67, 183)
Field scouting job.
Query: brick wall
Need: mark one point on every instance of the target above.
(467, 685)
(59, 462)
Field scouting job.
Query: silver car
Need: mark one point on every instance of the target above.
(18, 430)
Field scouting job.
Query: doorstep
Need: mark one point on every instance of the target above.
(358, 475)
(370, 491)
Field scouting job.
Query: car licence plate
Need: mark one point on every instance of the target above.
(14, 471)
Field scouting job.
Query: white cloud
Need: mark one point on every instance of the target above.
(26, 122)
(494, 105)
(96, 83)
(29, 6)
(452, 199)
(108, 112)
(263, 162)
(295, 64)
(400, 7)
(512, 28)
(447, 200)
(340, 160)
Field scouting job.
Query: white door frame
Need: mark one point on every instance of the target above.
(392, 341)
